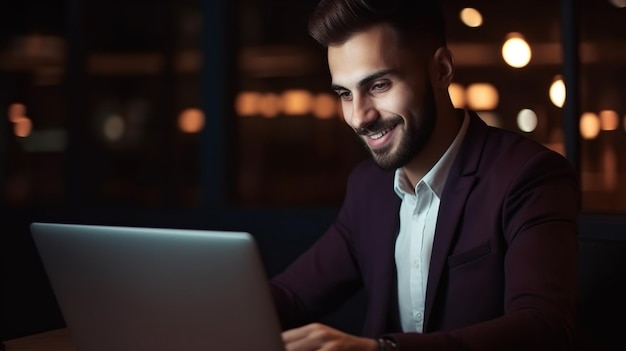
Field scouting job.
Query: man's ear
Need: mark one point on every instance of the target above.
(444, 67)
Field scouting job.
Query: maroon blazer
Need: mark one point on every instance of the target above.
(503, 267)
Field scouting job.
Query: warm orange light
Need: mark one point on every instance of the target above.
(247, 103)
(609, 120)
(471, 17)
(557, 91)
(22, 127)
(589, 125)
(297, 102)
(516, 51)
(457, 95)
(482, 96)
(325, 106)
(16, 111)
(191, 120)
(269, 105)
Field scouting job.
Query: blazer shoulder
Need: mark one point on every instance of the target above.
(514, 146)
(367, 172)
(369, 182)
(491, 151)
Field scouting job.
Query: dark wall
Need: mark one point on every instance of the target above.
(602, 272)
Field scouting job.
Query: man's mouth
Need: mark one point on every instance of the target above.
(381, 133)
(378, 129)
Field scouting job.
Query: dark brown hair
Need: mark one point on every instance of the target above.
(334, 21)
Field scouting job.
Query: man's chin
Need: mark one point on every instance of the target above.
(385, 161)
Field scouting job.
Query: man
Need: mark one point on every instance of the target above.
(463, 236)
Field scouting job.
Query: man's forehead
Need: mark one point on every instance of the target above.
(364, 55)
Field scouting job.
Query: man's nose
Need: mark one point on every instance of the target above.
(363, 112)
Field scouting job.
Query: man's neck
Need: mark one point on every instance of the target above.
(439, 142)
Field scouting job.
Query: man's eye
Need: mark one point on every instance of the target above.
(380, 86)
(345, 95)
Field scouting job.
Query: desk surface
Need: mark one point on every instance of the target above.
(55, 340)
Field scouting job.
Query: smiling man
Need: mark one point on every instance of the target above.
(387, 95)
(462, 235)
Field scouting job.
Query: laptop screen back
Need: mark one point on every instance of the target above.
(129, 288)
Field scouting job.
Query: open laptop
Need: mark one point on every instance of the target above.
(130, 288)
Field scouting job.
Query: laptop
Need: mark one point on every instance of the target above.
(133, 288)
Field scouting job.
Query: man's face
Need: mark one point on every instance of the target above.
(385, 93)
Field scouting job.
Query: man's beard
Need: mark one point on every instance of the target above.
(417, 131)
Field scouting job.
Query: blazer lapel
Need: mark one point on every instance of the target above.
(458, 187)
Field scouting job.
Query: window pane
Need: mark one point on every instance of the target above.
(114, 103)
(32, 102)
(142, 66)
(603, 107)
(294, 148)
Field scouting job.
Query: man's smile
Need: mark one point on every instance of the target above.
(381, 135)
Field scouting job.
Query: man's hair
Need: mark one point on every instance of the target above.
(335, 21)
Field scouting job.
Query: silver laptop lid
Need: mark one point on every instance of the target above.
(130, 288)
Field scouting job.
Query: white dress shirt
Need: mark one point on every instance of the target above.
(418, 218)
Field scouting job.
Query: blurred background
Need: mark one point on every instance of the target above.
(217, 114)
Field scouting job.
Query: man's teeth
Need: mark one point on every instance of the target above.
(380, 134)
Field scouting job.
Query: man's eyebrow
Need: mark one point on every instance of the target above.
(367, 79)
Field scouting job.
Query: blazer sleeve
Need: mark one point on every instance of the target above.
(324, 276)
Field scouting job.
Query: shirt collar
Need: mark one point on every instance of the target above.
(436, 177)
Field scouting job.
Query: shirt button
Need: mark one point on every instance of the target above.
(416, 264)
(418, 316)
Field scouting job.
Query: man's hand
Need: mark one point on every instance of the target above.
(320, 337)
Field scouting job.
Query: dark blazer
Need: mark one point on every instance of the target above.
(503, 266)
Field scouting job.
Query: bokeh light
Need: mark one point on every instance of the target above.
(191, 120)
(297, 102)
(269, 105)
(589, 125)
(325, 106)
(22, 125)
(114, 128)
(16, 111)
(609, 120)
(471, 17)
(457, 95)
(482, 96)
(557, 92)
(247, 103)
(527, 120)
(516, 51)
